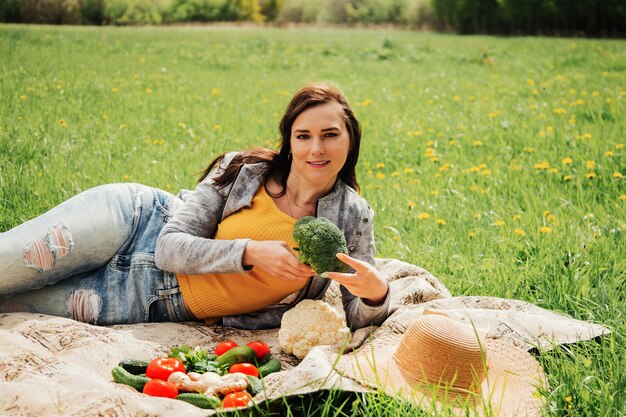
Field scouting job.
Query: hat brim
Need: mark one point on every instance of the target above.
(510, 387)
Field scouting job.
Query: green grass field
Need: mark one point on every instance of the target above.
(495, 163)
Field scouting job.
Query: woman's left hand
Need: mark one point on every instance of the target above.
(365, 282)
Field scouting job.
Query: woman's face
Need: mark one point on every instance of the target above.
(320, 144)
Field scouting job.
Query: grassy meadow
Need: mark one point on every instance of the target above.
(495, 163)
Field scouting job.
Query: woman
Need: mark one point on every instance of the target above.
(127, 253)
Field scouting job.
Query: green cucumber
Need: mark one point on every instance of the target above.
(255, 386)
(122, 376)
(269, 367)
(134, 366)
(238, 354)
(200, 400)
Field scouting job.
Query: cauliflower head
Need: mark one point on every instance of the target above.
(311, 323)
(319, 241)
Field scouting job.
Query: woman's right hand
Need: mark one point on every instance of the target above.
(275, 257)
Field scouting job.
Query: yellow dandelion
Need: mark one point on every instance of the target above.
(572, 121)
(542, 166)
(554, 170)
(411, 204)
(595, 93)
(568, 399)
(367, 102)
(567, 178)
(498, 223)
(182, 125)
(608, 100)
(380, 175)
(473, 188)
(482, 166)
(517, 217)
(608, 154)
(619, 146)
(528, 149)
(437, 175)
(148, 90)
(114, 90)
(444, 167)
(551, 218)
(155, 142)
(395, 174)
(441, 222)
(452, 143)
(456, 98)
(123, 126)
(62, 123)
(408, 170)
(486, 172)
(434, 193)
(590, 176)
(516, 167)
(586, 136)
(478, 143)
(430, 143)
(520, 232)
(126, 177)
(434, 159)
(545, 230)
(622, 197)
(24, 97)
(559, 111)
(380, 165)
(531, 83)
(590, 164)
(423, 216)
(215, 91)
(217, 128)
(617, 175)
(567, 161)
(549, 130)
(474, 169)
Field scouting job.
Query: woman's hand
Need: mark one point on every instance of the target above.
(365, 282)
(275, 257)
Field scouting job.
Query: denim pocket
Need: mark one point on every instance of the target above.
(132, 284)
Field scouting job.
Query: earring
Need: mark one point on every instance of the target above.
(290, 156)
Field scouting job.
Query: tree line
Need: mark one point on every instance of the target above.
(517, 17)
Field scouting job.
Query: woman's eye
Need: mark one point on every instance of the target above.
(302, 137)
(331, 134)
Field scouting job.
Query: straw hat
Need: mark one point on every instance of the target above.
(443, 364)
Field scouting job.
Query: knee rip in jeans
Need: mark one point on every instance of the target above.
(41, 253)
(84, 305)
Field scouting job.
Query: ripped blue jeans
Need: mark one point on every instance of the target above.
(91, 259)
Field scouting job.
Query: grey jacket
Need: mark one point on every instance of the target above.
(186, 244)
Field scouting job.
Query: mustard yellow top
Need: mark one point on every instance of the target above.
(211, 296)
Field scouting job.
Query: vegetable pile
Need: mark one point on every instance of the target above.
(319, 241)
(227, 378)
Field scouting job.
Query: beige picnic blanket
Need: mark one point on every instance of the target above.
(51, 366)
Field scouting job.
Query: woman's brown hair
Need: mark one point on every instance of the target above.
(279, 163)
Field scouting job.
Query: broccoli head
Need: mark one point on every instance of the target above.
(319, 241)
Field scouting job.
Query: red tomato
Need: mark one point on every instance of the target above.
(260, 349)
(236, 399)
(160, 388)
(161, 368)
(244, 367)
(224, 347)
